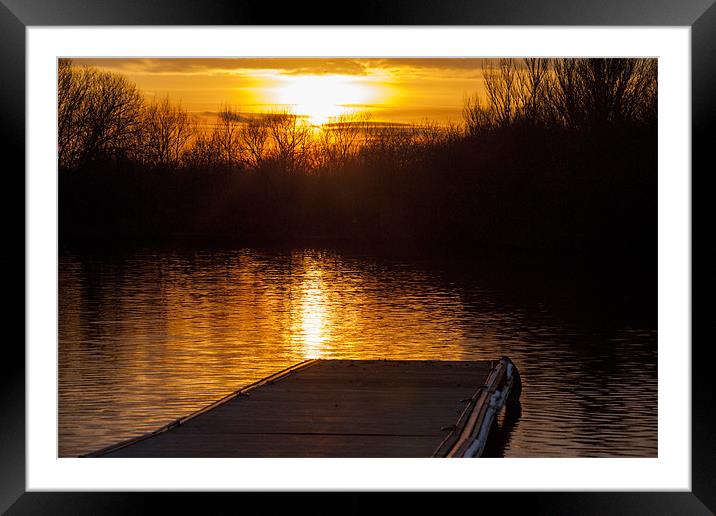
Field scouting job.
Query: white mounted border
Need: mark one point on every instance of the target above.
(670, 471)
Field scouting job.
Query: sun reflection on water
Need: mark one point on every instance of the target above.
(313, 332)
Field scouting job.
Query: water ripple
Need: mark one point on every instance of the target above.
(150, 337)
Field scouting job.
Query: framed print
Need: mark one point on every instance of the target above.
(272, 252)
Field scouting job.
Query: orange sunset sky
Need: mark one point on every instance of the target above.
(390, 89)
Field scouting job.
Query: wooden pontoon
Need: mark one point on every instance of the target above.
(344, 408)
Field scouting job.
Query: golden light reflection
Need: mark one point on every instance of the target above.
(321, 97)
(314, 325)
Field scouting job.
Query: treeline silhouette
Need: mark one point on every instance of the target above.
(558, 155)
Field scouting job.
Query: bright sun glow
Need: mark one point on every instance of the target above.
(321, 97)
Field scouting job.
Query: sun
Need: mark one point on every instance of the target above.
(321, 97)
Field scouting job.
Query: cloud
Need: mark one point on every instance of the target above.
(228, 65)
(287, 66)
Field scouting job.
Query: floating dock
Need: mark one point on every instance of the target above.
(344, 408)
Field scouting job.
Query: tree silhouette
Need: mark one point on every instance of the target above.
(166, 129)
(596, 93)
(574, 94)
(99, 115)
(532, 91)
(254, 136)
(339, 140)
(502, 91)
(227, 137)
(291, 141)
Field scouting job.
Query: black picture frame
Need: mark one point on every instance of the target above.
(17, 15)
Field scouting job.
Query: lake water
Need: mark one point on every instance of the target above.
(149, 336)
